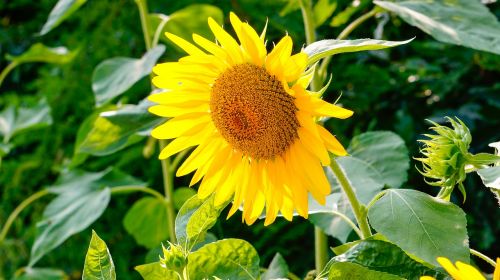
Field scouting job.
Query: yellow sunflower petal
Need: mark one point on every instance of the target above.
(496, 274)
(331, 143)
(184, 45)
(227, 42)
(211, 47)
(249, 40)
(276, 58)
(295, 66)
(323, 108)
(468, 271)
(199, 156)
(450, 268)
(180, 126)
(175, 110)
(427, 278)
(182, 143)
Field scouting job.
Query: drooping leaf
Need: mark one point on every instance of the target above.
(81, 198)
(462, 22)
(114, 76)
(277, 269)
(41, 53)
(115, 130)
(422, 225)
(225, 259)
(35, 273)
(154, 271)
(98, 262)
(181, 195)
(386, 152)
(386, 257)
(490, 177)
(347, 270)
(193, 220)
(17, 120)
(147, 221)
(324, 48)
(62, 10)
(186, 21)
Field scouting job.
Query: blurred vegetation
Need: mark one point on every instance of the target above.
(388, 90)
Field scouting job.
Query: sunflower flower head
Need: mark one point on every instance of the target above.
(445, 155)
(173, 258)
(252, 120)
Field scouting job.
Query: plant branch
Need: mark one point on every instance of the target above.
(320, 249)
(168, 186)
(17, 211)
(143, 13)
(483, 257)
(348, 221)
(129, 189)
(353, 200)
(7, 70)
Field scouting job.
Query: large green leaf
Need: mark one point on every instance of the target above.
(377, 159)
(322, 10)
(195, 217)
(462, 22)
(347, 270)
(324, 48)
(490, 177)
(154, 271)
(147, 221)
(98, 262)
(181, 195)
(35, 273)
(14, 120)
(277, 269)
(114, 76)
(62, 10)
(422, 225)
(186, 21)
(41, 53)
(81, 198)
(225, 259)
(111, 131)
(386, 257)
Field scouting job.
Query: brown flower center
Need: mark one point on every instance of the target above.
(253, 112)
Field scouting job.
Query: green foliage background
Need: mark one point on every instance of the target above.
(390, 90)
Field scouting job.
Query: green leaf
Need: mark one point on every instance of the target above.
(386, 152)
(422, 225)
(225, 259)
(186, 21)
(115, 130)
(347, 270)
(195, 217)
(14, 120)
(41, 53)
(114, 76)
(81, 198)
(62, 10)
(324, 48)
(322, 10)
(277, 269)
(386, 257)
(490, 177)
(460, 22)
(98, 262)
(147, 221)
(181, 195)
(32, 273)
(154, 271)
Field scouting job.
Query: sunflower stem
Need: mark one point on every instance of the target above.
(483, 257)
(143, 13)
(353, 25)
(168, 186)
(357, 207)
(12, 217)
(320, 249)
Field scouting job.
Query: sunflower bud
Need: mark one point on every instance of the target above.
(445, 156)
(173, 258)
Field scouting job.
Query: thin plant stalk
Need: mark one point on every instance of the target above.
(483, 257)
(7, 70)
(12, 217)
(129, 189)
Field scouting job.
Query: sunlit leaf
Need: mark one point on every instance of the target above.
(225, 259)
(347, 270)
(35, 273)
(195, 217)
(490, 177)
(154, 271)
(114, 76)
(322, 10)
(324, 48)
(41, 53)
(408, 218)
(277, 269)
(14, 120)
(81, 198)
(386, 257)
(98, 262)
(462, 22)
(62, 10)
(147, 221)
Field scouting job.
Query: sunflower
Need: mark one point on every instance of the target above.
(252, 121)
(462, 271)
